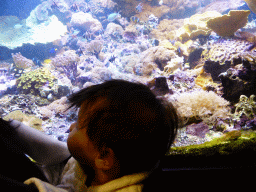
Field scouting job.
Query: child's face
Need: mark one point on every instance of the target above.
(80, 146)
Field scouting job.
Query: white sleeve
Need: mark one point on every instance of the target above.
(39, 146)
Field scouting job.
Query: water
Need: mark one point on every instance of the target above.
(75, 44)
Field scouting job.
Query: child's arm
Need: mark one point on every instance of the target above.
(39, 146)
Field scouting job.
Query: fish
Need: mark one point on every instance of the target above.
(135, 19)
(47, 61)
(139, 7)
(53, 50)
(37, 62)
(161, 2)
(113, 16)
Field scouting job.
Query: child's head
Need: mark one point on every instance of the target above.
(123, 121)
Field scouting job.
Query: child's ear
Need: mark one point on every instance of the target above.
(105, 159)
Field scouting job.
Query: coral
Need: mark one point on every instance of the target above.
(201, 105)
(21, 62)
(166, 29)
(204, 80)
(95, 47)
(85, 22)
(114, 30)
(223, 54)
(239, 80)
(64, 59)
(130, 32)
(152, 58)
(226, 25)
(30, 82)
(29, 120)
(56, 107)
(196, 25)
(173, 65)
(245, 106)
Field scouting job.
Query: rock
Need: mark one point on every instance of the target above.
(199, 129)
(159, 85)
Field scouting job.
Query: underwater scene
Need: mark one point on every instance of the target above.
(200, 55)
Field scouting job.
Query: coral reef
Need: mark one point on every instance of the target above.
(154, 57)
(246, 106)
(239, 80)
(85, 22)
(114, 30)
(95, 47)
(166, 29)
(173, 65)
(201, 105)
(64, 59)
(223, 54)
(57, 107)
(29, 120)
(22, 62)
(196, 25)
(30, 82)
(227, 25)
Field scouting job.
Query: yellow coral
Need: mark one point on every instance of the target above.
(227, 25)
(34, 80)
(196, 25)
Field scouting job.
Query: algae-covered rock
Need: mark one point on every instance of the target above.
(30, 120)
(230, 143)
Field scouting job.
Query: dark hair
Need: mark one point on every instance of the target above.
(130, 120)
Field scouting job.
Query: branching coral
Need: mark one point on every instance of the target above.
(201, 105)
(21, 62)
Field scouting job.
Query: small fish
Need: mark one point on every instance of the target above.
(135, 19)
(37, 62)
(113, 16)
(47, 61)
(139, 7)
(53, 50)
(161, 2)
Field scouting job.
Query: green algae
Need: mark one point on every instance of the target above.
(230, 143)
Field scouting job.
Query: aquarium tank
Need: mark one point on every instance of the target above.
(199, 55)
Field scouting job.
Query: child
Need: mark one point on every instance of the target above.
(121, 133)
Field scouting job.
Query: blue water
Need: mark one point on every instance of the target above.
(19, 8)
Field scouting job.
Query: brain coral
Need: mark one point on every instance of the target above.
(65, 59)
(31, 82)
(227, 51)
